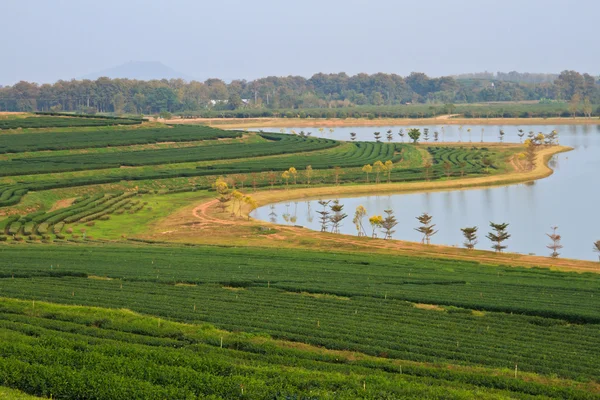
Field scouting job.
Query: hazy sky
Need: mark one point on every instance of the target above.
(46, 40)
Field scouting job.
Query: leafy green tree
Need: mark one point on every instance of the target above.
(414, 134)
(498, 236)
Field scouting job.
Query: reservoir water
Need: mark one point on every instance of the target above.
(568, 199)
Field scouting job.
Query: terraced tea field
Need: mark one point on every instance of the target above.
(88, 317)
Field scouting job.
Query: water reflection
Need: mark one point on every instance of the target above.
(567, 199)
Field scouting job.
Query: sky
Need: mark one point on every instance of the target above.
(47, 40)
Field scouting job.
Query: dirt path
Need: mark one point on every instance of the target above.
(211, 220)
(64, 203)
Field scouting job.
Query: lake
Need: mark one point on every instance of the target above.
(569, 199)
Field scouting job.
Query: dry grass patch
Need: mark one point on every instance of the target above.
(432, 307)
(100, 278)
(234, 289)
(478, 313)
(321, 296)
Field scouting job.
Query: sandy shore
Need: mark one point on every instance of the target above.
(242, 123)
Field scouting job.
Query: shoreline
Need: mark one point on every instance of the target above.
(541, 170)
(243, 123)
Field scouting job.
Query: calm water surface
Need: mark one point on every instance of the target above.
(569, 199)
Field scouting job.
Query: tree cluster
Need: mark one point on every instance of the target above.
(292, 92)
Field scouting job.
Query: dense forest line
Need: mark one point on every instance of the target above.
(321, 91)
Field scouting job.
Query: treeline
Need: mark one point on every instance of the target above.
(513, 76)
(321, 91)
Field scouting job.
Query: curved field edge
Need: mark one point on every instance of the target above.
(300, 363)
(242, 123)
(541, 170)
(176, 227)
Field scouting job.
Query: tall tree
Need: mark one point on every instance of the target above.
(359, 214)
(555, 245)
(426, 228)
(498, 236)
(324, 215)
(337, 215)
(597, 248)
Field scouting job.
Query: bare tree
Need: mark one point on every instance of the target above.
(426, 228)
(555, 245)
(597, 248)
(401, 134)
(470, 234)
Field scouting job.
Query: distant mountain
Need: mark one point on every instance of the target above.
(140, 70)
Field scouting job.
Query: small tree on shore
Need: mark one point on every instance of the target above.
(389, 166)
(427, 167)
(378, 167)
(375, 221)
(272, 177)
(498, 236)
(389, 136)
(426, 134)
(487, 163)
(521, 134)
(337, 216)
(224, 197)
(414, 134)
(470, 234)
(501, 135)
(388, 224)
(555, 245)
(337, 172)
(359, 214)
(353, 136)
(286, 177)
(462, 165)
(401, 134)
(254, 177)
(308, 174)
(447, 168)
(293, 173)
(597, 248)
(367, 169)
(324, 215)
(377, 136)
(426, 228)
